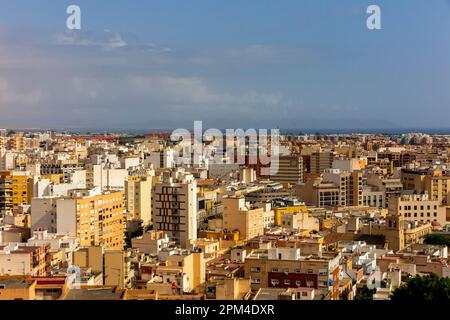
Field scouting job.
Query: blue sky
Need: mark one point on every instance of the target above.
(253, 63)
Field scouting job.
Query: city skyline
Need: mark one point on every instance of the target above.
(161, 65)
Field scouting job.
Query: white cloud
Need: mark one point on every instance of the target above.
(194, 91)
(106, 39)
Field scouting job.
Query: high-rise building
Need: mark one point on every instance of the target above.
(138, 195)
(349, 184)
(290, 170)
(16, 188)
(97, 219)
(320, 161)
(174, 210)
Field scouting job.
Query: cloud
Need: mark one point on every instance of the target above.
(107, 39)
(193, 91)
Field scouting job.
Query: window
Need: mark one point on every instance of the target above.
(304, 294)
(287, 282)
(255, 269)
(274, 269)
(298, 283)
(274, 282)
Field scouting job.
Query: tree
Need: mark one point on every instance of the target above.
(439, 239)
(365, 294)
(419, 288)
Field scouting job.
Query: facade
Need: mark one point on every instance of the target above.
(435, 182)
(318, 193)
(174, 211)
(43, 214)
(151, 242)
(290, 170)
(16, 188)
(287, 268)
(17, 288)
(349, 184)
(138, 195)
(240, 215)
(419, 208)
(24, 259)
(182, 272)
(95, 219)
(320, 161)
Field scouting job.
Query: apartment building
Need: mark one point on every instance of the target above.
(349, 183)
(60, 246)
(65, 167)
(17, 288)
(174, 210)
(373, 197)
(240, 215)
(151, 242)
(182, 272)
(160, 159)
(138, 195)
(7, 160)
(287, 268)
(418, 207)
(43, 214)
(105, 178)
(115, 265)
(320, 161)
(319, 193)
(279, 210)
(16, 189)
(290, 170)
(117, 268)
(24, 259)
(390, 187)
(299, 221)
(97, 219)
(436, 182)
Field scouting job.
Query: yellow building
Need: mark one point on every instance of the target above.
(240, 215)
(96, 219)
(17, 288)
(117, 268)
(436, 182)
(290, 209)
(115, 265)
(54, 178)
(16, 188)
(138, 194)
(183, 272)
(418, 208)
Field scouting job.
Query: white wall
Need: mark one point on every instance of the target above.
(66, 217)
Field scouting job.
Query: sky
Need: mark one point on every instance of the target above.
(231, 64)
